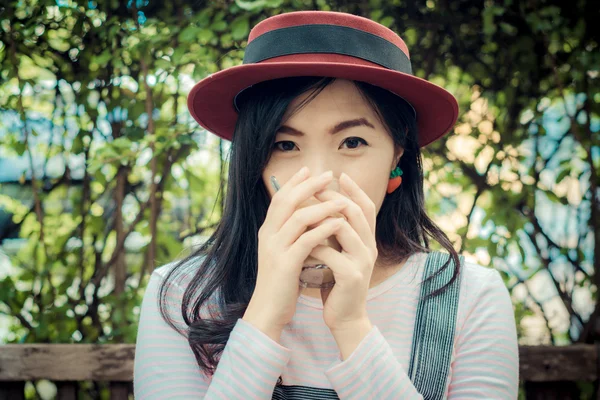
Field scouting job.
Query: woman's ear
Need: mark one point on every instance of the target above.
(397, 157)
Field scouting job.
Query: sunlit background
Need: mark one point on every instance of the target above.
(104, 175)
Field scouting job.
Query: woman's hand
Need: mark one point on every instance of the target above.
(345, 304)
(283, 245)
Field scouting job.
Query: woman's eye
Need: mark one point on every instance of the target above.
(287, 146)
(352, 141)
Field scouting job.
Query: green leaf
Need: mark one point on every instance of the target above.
(563, 174)
(77, 146)
(205, 35)
(508, 29)
(240, 28)
(219, 26)
(387, 21)
(135, 133)
(552, 196)
(19, 147)
(179, 53)
(203, 17)
(251, 5)
(488, 22)
(103, 59)
(122, 143)
(163, 64)
(185, 139)
(376, 14)
(189, 34)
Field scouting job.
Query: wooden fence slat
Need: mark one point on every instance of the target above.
(114, 362)
(549, 372)
(67, 362)
(576, 362)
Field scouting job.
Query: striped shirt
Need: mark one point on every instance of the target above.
(484, 362)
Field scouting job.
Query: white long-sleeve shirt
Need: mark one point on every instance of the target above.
(484, 362)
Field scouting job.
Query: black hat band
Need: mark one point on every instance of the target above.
(322, 38)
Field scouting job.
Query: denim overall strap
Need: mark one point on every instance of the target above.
(435, 323)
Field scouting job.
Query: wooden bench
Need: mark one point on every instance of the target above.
(65, 365)
(547, 372)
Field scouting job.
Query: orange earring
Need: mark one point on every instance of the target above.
(395, 180)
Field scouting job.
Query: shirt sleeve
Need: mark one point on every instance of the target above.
(487, 354)
(165, 366)
(371, 372)
(485, 366)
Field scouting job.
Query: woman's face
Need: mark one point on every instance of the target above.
(339, 131)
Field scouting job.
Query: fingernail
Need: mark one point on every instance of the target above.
(346, 178)
(328, 174)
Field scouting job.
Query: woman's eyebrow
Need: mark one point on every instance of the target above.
(336, 129)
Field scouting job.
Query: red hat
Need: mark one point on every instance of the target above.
(328, 44)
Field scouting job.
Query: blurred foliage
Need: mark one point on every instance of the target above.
(96, 90)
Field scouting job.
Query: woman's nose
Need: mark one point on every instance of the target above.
(319, 170)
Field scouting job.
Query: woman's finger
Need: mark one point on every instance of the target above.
(352, 244)
(306, 218)
(353, 214)
(358, 196)
(290, 196)
(335, 260)
(302, 247)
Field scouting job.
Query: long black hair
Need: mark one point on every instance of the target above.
(225, 266)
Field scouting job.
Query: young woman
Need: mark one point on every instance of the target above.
(325, 96)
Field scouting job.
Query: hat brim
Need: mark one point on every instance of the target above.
(210, 101)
